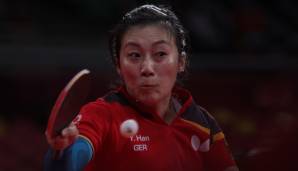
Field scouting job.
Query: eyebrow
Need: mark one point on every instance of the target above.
(161, 42)
(132, 43)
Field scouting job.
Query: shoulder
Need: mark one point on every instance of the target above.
(106, 101)
(193, 112)
(108, 104)
(198, 114)
(202, 118)
(97, 105)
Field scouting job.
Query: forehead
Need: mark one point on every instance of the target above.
(145, 34)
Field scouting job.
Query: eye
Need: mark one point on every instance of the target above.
(160, 55)
(134, 55)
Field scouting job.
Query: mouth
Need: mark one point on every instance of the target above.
(148, 85)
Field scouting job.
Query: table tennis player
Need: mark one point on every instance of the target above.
(150, 122)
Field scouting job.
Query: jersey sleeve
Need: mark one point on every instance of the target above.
(93, 123)
(75, 157)
(219, 157)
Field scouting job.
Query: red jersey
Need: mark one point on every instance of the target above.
(191, 142)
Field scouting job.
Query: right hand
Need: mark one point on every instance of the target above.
(65, 139)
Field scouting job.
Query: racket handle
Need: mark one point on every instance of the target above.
(57, 154)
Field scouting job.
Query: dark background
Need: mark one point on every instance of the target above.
(243, 69)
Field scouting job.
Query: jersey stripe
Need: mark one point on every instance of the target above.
(206, 130)
(218, 136)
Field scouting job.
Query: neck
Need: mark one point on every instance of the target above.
(164, 110)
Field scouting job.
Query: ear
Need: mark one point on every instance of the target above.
(118, 70)
(117, 65)
(182, 62)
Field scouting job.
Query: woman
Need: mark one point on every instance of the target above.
(149, 49)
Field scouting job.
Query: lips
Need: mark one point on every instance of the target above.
(148, 85)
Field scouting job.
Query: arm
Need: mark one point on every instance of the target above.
(74, 158)
(219, 157)
(232, 168)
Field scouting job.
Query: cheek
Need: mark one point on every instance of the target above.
(170, 69)
(127, 71)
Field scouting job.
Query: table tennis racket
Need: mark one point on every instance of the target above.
(69, 102)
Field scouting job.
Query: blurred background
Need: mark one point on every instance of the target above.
(243, 69)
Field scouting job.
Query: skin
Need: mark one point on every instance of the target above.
(232, 168)
(67, 137)
(148, 64)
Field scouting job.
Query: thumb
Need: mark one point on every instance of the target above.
(70, 131)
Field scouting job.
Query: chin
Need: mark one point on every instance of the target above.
(149, 99)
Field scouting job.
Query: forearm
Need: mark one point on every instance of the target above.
(232, 168)
(73, 158)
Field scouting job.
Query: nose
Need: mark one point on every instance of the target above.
(147, 67)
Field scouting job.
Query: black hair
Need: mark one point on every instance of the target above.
(146, 15)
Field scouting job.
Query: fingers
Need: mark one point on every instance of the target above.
(70, 131)
(67, 137)
(60, 143)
